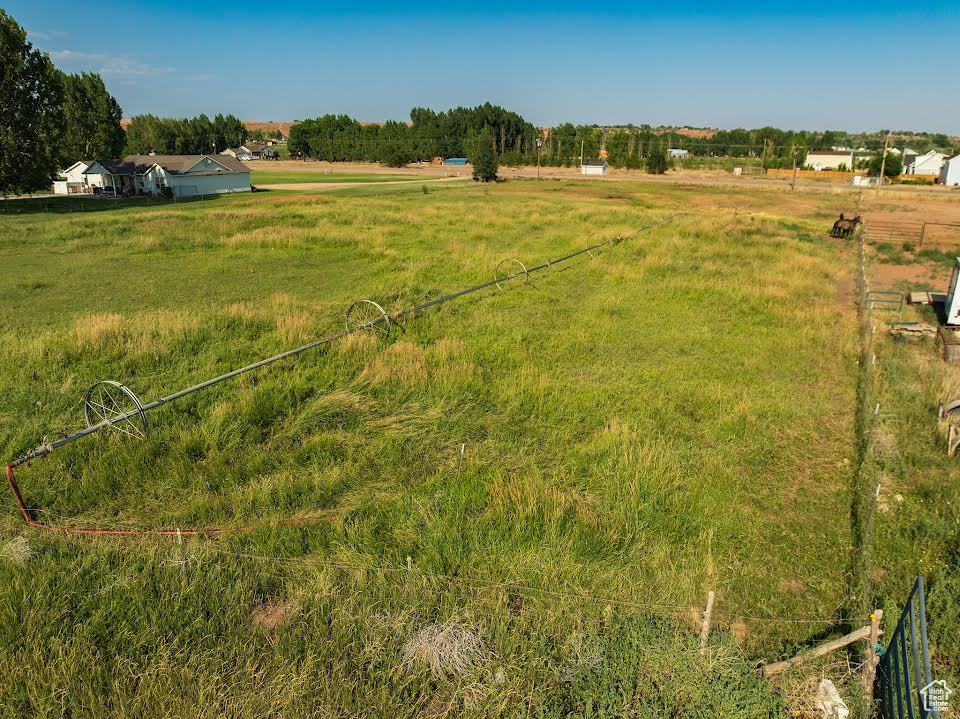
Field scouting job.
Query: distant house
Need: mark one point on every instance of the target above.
(238, 153)
(255, 149)
(249, 151)
(72, 180)
(908, 157)
(678, 154)
(594, 167)
(181, 175)
(950, 172)
(829, 159)
(929, 163)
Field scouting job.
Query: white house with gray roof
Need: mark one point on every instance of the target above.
(182, 175)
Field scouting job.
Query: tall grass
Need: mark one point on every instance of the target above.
(671, 416)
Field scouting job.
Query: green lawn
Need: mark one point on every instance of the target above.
(279, 177)
(565, 468)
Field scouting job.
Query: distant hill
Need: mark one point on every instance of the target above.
(283, 127)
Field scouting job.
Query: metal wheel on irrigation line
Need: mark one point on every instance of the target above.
(613, 239)
(368, 315)
(511, 273)
(117, 405)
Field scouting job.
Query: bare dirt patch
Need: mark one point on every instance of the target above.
(884, 276)
(272, 613)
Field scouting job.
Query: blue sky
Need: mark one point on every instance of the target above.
(853, 66)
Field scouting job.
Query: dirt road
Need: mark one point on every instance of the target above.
(340, 185)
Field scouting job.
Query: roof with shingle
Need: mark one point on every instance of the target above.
(174, 164)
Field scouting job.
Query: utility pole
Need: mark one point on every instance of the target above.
(581, 153)
(793, 156)
(539, 145)
(883, 164)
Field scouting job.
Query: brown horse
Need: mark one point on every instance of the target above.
(844, 227)
(836, 227)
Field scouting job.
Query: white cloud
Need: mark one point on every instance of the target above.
(119, 66)
(45, 35)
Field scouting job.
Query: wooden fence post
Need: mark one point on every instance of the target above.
(873, 659)
(705, 624)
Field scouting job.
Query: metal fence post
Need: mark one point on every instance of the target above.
(900, 683)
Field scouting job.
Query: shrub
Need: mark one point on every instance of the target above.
(484, 160)
(657, 160)
(396, 155)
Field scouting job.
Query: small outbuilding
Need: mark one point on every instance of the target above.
(678, 154)
(829, 159)
(950, 172)
(594, 167)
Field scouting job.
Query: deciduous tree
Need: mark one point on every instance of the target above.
(891, 168)
(657, 158)
(483, 158)
(31, 112)
(91, 120)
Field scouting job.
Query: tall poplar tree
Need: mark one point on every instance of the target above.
(91, 128)
(31, 112)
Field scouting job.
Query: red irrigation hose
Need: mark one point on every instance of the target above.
(28, 518)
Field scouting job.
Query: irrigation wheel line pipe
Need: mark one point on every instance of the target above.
(108, 404)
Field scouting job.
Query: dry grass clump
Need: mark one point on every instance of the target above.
(533, 497)
(17, 551)
(406, 362)
(97, 330)
(271, 236)
(448, 650)
(294, 327)
(244, 311)
(402, 361)
(270, 614)
(137, 333)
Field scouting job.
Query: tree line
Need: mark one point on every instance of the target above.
(184, 136)
(48, 119)
(454, 133)
(515, 141)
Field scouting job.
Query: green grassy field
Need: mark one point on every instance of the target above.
(279, 177)
(557, 473)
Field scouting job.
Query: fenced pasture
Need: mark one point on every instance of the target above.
(915, 234)
(83, 204)
(561, 471)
